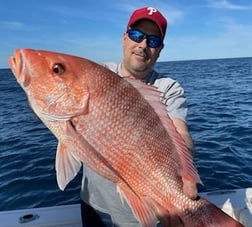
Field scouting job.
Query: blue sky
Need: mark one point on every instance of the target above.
(198, 29)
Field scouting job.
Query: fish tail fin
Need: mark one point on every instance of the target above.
(210, 215)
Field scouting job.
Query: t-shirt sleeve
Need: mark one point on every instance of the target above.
(173, 97)
(111, 66)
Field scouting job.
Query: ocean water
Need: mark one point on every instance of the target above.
(219, 94)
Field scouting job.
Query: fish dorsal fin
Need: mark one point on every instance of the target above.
(152, 95)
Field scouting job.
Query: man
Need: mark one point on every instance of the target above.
(142, 44)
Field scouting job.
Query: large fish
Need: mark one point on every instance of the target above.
(120, 129)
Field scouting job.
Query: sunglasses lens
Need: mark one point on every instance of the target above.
(153, 41)
(136, 35)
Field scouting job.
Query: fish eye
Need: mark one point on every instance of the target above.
(59, 68)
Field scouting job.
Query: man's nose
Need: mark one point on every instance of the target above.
(143, 44)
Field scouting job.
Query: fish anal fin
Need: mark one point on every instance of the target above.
(167, 217)
(67, 165)
(140, 208)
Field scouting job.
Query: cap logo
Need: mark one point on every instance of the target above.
(151, 10)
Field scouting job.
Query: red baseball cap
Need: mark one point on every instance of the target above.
(149, 13)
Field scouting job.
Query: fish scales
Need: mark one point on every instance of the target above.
(126, 124)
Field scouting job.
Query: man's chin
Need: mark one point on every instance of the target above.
(139, 64)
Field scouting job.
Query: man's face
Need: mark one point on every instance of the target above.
(138, 57)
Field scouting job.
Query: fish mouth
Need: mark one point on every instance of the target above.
(18, 67)
(15, 62)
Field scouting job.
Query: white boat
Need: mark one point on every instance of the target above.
(236, 203)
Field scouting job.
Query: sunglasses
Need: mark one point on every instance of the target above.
(138, 36)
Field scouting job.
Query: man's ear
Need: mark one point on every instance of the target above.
(124, 35)
(161, 48)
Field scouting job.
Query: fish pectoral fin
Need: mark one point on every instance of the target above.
(140, 208)
(67, 165)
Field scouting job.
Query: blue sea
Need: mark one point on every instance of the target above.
(219, 94)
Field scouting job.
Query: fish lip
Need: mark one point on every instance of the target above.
(16, 62)
(18, 66)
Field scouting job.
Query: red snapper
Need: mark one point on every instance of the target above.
(120, 129)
